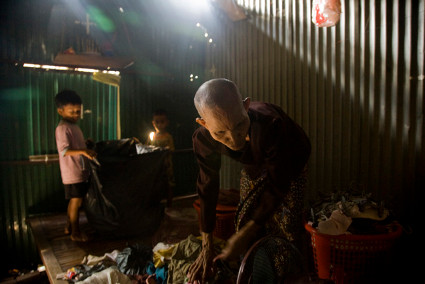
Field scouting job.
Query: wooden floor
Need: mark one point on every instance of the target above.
(59, 253)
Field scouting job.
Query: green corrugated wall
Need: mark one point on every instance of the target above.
(30, 117)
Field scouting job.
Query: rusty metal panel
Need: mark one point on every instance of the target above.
(356, 88)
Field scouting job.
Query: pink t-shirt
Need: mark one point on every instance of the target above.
(74, 169)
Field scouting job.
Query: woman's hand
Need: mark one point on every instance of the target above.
(151, 279)
(238, 243)
(202, 268)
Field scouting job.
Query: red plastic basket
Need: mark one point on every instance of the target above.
(224, 219)
(348, 258)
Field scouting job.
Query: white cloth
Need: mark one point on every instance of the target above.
(337, 224)
(92, 260)
(109, 275)
(162, 246)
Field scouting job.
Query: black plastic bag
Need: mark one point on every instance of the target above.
(123, 147)
(133, 260)
(101, 213)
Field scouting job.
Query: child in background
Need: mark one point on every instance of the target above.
(162, 138)
(73, 155)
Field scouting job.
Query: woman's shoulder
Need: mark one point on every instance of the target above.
(260, 111)
(203, 142)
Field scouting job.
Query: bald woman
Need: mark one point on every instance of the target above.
(274, 151)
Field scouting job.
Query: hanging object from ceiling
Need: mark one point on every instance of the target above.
(325, 13)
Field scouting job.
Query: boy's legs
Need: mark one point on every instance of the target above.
(74, 206)
(75, 194)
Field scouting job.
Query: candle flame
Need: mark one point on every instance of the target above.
(151, 135)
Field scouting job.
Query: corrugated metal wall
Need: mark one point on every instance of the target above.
(29, 112)
(356, 88)
(26, 188)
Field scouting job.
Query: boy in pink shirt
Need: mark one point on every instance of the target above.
(73, 155)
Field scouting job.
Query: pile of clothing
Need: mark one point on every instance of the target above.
(139, 263)
(349, 213)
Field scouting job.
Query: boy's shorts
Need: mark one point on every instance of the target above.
(76, 190)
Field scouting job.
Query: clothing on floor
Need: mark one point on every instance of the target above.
(184, 254)
(91, 260)
(134, 259)
(110, 275)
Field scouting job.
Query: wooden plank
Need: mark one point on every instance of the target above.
(46, 251)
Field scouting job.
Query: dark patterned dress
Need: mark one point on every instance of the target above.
(286, 222)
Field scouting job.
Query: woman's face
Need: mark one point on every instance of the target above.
(228, 126)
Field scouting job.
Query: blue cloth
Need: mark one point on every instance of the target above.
(161, 273)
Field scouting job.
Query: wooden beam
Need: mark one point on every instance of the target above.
(47, 255)
(92, 61)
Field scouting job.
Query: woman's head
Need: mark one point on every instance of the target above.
(223, 112)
